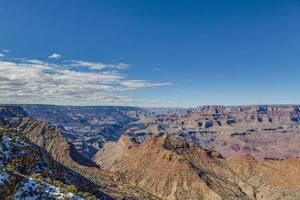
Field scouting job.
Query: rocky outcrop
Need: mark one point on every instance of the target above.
(173, 169)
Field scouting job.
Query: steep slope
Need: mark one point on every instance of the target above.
(173, 169)
(25, 175)
(51, 140)
(271, 179)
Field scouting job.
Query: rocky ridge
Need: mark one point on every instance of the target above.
(173, 169)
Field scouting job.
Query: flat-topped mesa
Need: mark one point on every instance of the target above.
(227, 115)
(264, 131)
(276, 112)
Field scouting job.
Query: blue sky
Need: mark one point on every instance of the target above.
(176, 53)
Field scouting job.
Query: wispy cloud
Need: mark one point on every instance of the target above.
(37, 81)
(134, 84)
(55, 56)
(1, 55)
(156, 69)
(98, 65)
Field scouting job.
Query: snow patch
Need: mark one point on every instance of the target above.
(3, 177)
(31, 190)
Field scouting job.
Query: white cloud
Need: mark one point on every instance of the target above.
(98, 65)
(134, 84)
(55, 56)
(2, 55)
(36, 81)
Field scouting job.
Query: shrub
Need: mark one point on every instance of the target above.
(11, 167)
(57, 183)
(92, 198)
(72, 189)
(38, 177)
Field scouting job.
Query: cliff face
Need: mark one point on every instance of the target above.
(173, 169)
(266, 132)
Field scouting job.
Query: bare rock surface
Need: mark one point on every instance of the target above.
(266, 132)
(173, 169)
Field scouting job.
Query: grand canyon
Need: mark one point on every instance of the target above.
(114, 152)
(149, 100)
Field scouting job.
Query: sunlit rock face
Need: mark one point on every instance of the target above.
(173, 169)
(266, 132)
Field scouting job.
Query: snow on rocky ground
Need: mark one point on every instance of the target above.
(3, 177)
(7, 144)
(32, 190)
(29, 188)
